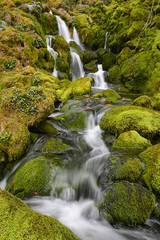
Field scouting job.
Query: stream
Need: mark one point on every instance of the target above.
(75, 205)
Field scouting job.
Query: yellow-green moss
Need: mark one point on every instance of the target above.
(122, 119)
(127, 203)
(131, 170)
(46, 127)
(72, 120)
(19, 221)
(56, 146)
(151, 174)
(131, 139)
(31, 178)
(143, 101)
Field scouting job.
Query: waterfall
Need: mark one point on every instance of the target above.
(52, 51)
(63, 29)
(99, 79)
(76, 38)
(105, 43)
(76, 66)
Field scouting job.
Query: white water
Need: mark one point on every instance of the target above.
(99, 79)
(74, 206)
(76, 66)
(52, 51)
(63, 29)
(76, 38)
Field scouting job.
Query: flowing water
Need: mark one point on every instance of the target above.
(53, 52)
(76, 38)
(105, 43)
(76, 65)
(75, 192)
(99, 78)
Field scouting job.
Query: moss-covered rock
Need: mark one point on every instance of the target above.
(19, 221)
(107, 93)
(32, 178)
(127, 203)
(63, 61)
(72, 120)
(143, 101)
(151, 174)
(56, 146)
(91, 67)
(88, 56)
(108, 60)
(49, 24)
(14, 138)
(131, 170)
(46, 127)
(122, 119)
(131, 139)
(79, 87)
(71, 105)
(124, 168)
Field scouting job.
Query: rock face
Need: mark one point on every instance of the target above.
(127, 203)
(18, 221)
(151, 174)
(122, 119)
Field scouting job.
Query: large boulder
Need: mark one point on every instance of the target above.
(151, 174)
(18, 221)
(122, 119)
(127, 203)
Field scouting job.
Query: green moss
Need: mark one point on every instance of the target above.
(19, 221)
(89, 56)
(49, 24)
(71, 105)
(156, 212)
(114, 74)
(131, 139)
(32, 178)
(46, 127)
(151, 157)
(108, 60)
(91, 67)
(131, 170)
(143, 101)
(127, 203)
(110, 93)
(56, 146)
(122, 119)
(72, 120)
(79, 87)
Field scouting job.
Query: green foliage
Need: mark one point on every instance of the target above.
(36, 80)
(26, 101)
(5, 136)
(11, 65)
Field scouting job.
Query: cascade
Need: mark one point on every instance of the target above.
(52, 51)
(63, 29)
(76, 38)
(76, 65)
(99, 79)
